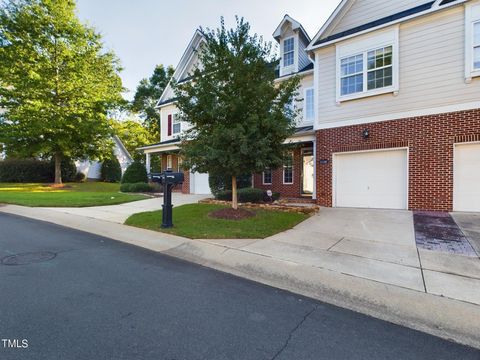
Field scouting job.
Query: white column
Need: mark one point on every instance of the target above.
(147, 162)
(314, 195)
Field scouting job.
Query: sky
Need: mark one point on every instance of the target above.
(144, 33)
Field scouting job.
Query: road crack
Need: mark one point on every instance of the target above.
(290, 335)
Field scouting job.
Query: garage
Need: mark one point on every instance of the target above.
(371, 179)
(466, 177)
(199, 184)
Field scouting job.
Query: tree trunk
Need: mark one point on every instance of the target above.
(234, 193)
(58, 168)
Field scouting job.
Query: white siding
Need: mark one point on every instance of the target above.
(365, 11)
(431, 72)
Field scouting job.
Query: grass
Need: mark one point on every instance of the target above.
(72, 195)
(193, 221)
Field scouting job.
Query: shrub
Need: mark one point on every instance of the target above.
(111, 170)
(135, 173)
(80, 177)
(25, 170)
(220, 183)
(244, 195)
(136, 187)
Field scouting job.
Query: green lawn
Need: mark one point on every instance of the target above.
(72, 195)
(192, 221)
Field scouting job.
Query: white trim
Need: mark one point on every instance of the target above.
(300, 74)
(179, 121)
(310, 136)
(400, 115)
(314, 195)
(389, 37)
(263, 178)
(295, 25)
(423, 13)
(454, 168)
(334, 170)
(292, 68)
(159, 148)
(472, 17)
(305, 108)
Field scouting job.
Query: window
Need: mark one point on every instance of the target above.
(309, 107)
(288, 169)
(476, 46)
(176, 125)
(379, 68)
(179, 163)
(472, 40)
(368, 65)
(169, 162)
(267, 176)
(288, 51)
(352, 75)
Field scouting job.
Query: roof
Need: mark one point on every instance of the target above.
(303, 129)
(295, 26)
(307, 68)
(166, 142)
(382, 21)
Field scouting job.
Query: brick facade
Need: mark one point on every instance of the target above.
(286, 190)
(430, 140)
(185, 188)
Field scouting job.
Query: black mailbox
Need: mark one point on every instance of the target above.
(169, 180)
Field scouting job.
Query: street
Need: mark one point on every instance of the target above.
(73, 295)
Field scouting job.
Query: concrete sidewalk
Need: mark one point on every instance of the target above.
(120, 213)
(394, 283)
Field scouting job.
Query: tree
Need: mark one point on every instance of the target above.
(133, 135)
(239, 116)
(57, 84)
(146, 97)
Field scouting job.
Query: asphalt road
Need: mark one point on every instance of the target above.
(89, 298)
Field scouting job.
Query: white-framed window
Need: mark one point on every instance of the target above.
(169, 162)
(288, 51)
(288, 169)
(472, 40)
(176, 124)
(309, 105)
(179, 163)
(267, 176)
(368, 65)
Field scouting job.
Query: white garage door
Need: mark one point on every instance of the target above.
(373, 179)
(466, 180)
(199, 184)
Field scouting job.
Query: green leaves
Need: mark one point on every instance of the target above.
(237, 112)
(58, 84)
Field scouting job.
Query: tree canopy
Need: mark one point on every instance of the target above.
(146, 97)
(239, 116)
(57, 83)
(133, 135)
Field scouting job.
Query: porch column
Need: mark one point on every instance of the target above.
(147, 162)
(314, 195)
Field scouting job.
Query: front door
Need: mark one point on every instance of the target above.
(308, 176)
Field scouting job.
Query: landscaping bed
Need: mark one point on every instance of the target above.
(70, 195)
(195, 222)
(277, 206)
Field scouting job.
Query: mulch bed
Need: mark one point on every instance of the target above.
(231, 214)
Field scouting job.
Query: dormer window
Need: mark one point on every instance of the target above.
(288, 51)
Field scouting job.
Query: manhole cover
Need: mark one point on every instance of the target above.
(28, 258)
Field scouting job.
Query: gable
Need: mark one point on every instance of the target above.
(361, 12)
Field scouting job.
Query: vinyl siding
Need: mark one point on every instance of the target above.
(306, 82)
(365, 11)
(431, 72)
(302, 54)
(164, 112)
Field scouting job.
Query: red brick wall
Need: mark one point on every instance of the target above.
(286, 190)
(430, 141)
(185, 188)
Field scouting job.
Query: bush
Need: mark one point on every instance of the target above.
(220, 183)
(25, 170)
(244, 195)
(136, 187)
(80, 177)
(135, 173)
(111, 170)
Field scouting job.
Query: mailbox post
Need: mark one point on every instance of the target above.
(169, 180)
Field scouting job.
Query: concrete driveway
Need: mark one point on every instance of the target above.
(120, 213)
(376, 245)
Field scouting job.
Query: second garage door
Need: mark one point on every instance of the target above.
(371, 179)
